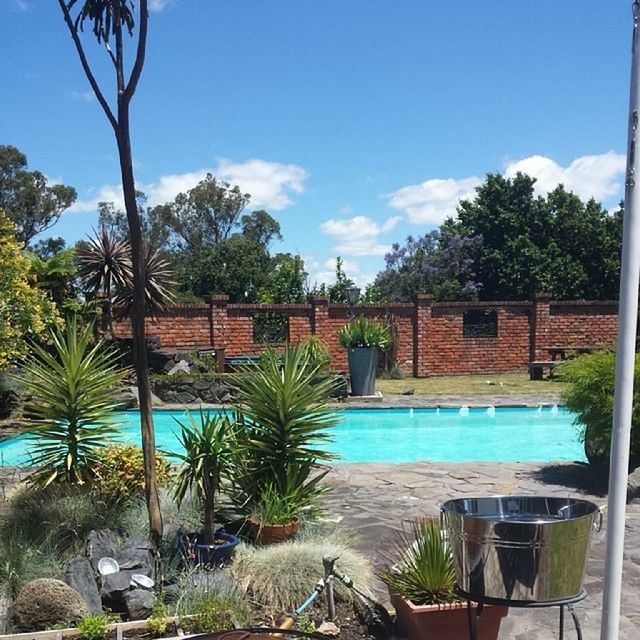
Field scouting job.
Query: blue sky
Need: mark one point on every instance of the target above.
(353, 122)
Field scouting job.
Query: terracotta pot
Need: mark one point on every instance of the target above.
(444, 622)
(263, 533)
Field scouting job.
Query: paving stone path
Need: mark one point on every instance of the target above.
(374, 498)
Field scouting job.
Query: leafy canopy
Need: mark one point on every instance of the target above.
(30, 201)
(25, 310)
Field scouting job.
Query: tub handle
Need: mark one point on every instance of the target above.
(597, 522)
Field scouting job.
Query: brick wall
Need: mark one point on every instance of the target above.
(430, 338)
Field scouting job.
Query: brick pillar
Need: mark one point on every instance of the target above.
(319, 315)
(422, 316)
(540, 327)
(219, 326)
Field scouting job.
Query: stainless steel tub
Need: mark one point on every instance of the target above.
(520, 548)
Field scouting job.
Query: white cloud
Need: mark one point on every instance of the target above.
(157, 5)
(83, 96)
(269, 183)
(358, 236)
(433, 200)
(598, 176)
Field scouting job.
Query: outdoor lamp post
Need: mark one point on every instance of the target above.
(352, 294)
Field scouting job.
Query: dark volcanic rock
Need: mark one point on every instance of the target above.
(139, 603)
(80, 575)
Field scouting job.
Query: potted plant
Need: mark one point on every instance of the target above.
(421, 580)
(276, 517)
(363, 338)
(208, 459)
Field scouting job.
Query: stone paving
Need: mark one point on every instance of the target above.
(374, 498)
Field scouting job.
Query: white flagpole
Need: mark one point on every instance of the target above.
(625, 361)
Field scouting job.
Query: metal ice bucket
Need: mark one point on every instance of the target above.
(520, 548)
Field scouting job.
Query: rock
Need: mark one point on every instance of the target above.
(329, 629)
(127, 398)
(633, 485)
(44, 603)
(408, 392)
(171, 593)
(139, 603)
(114, 586)
(179, 367)
(185, 398)
(135, 553)
(79, 575)
(102, 543)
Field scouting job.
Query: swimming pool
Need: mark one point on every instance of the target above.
(505, 434)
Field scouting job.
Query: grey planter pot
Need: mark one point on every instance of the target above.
(363, 362)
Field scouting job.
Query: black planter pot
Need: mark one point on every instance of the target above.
(213, 555)
(363, 362)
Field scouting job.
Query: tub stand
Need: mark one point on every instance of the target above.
(474, 620)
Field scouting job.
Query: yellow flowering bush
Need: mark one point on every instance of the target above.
(25, 311)
(119, 473)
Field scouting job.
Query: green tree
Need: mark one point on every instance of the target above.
(337, 291)
(109, 20)
(31, 202)
(56, 275)
(25, 310)
(285, 282)
(555, 244)
(203, 216)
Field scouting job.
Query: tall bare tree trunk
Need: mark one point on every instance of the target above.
(138, 326)
(107, 22)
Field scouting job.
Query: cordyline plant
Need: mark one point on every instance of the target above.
(69, 415)
(109, 21)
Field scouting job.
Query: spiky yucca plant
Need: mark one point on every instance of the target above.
(421, 567)
(286, 417)
(209, 455)
(72, 397)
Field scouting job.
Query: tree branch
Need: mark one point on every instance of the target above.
(142, 43)
(119, 54)
(85, 65)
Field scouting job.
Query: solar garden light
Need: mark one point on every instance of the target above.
(352, 294)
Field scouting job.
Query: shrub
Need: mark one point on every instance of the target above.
(589, 394)
(214, 613)
(59, 517)
(280, 577)
(286, 417)
(363, 332)
(213, 598)
(315, 351)
(73, 393)
(94, 627)
(119, 473)
(158, 620)
(277, 508)
(21, 562)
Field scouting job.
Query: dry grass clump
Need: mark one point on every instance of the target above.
(280, 577)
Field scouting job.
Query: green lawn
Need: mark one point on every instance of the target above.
(487, 384)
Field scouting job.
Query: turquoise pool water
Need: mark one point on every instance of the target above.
(406, 435)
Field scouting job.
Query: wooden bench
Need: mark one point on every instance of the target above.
(538, 367)
(233, 362)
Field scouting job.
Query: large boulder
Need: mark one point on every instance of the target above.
(114, 587)
(80, 575)
(139, 603)
(44, 603)
(100, 544)
(135, 553)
